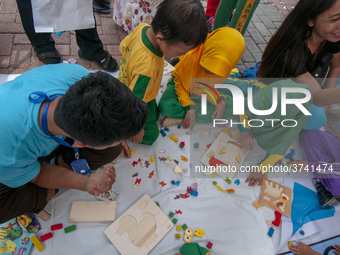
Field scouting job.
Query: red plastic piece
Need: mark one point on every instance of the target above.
(209, 245)
(45, 237)
(56, 226)
(277, 220)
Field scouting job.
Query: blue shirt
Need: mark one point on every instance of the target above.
(21, 139)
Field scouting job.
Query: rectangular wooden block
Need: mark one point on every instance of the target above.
(140, 228)
(93, 211)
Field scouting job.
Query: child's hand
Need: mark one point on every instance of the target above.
(219, 111)
(139, 137)
(337, 249)
(303, 249)
(190, 119)
(99, 183)
(255, 178)
(125, 150)
(247, 140)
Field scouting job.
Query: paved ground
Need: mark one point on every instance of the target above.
(17, 55)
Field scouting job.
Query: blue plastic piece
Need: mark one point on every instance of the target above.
(271, 232)
(237, 181)
(194, 193)
(166, 129)
(302, 232)
(162, 133)
(179, 126)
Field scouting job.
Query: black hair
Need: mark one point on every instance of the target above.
(99, 110)
(286, 53)
(181, 21)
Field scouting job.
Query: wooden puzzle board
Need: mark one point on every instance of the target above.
(93, 211)
(225, 151)
(276, 197)
(140, 228)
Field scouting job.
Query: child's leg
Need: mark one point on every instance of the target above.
(243, 13)
(169, 105)
(151, 127)
(224, 10)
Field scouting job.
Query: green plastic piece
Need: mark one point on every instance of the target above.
(174, 221)
(70, 229)
(169, 158)
(157, 204)
(171, 214)
(184, 226)
(228, 180)
(214, 183)
(196, 145)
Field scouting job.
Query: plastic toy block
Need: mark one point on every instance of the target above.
(174, 220)
(173, 182)
(161, 151)
(182, 144)
(290, 155)
(302, 232)
(162, 133)
(56, 226)
(70, 229)
(194, 193)
(257, 204)
(166, 129)
(184, 159)
(209, 245)
(271, 232)
(199, 233)
(178, 236)
(162, 183)
(208, 145)
(179, 126)
(132, 151)
(213, 174)
(177, 170)
(173, 138)
(277, 220)
(290, 244)
(178, 212)
(157, 204)
(196, 145)
(237, 181)
(230, 191)
(228, 180)
(184, 226)
(37, 243)
(45, 237)
(214, 183)
(178, 227)
(170, 158)
(171, 214)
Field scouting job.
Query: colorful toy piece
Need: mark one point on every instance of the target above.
(70, 229)
(177, 170)
(162, 183)
(290, 155)
(196, 145)
(152, 159)
(290, 244)
(174, 220)
(209, 245)
(178, 212)
(184, 159)
(132, 152)
(134, 163)
(277, 220)
(199, 233)
(230, 190)
(178, 227)
(170, 158)
(177, 236)
(182, 144)
(37, 243)
(228, 180)
(45, 237)
(151, 174)
(257, 204)
(271, 232)
(171, 214)
(184, 226)
(188, 235)
(237, 181)
(194, 193)
(173, 138)
(162, 133)
(56, 226)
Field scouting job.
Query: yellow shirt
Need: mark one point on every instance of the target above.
(141, 66)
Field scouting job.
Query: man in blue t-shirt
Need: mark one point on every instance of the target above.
(93, 111)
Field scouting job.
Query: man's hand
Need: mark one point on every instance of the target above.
(139, 137)
(125, 150)
(247, 140)
(190, 119)
(219, 111)
(255, 178)
(102, 182)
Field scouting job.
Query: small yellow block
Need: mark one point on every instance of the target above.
(178, 227)
(37, 243)
(290, 244)
(213, 174)
(257, 204)
(177, 236)
(199, 232)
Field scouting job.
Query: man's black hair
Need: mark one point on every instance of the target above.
(99, 110)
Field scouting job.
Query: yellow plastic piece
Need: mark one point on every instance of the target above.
(177, 170)
(199, 232)
(219, 188)
(132, 152)
(173, 138)
(223, 150)
(37, 243)
(238, 158)
(152, 159)
(257, 204)
(290, 244)
(213, 174)
(177, 236)
(178, 227)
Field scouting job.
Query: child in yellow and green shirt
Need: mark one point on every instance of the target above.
(178, 26)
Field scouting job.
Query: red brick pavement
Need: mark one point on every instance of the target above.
(18, 56)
